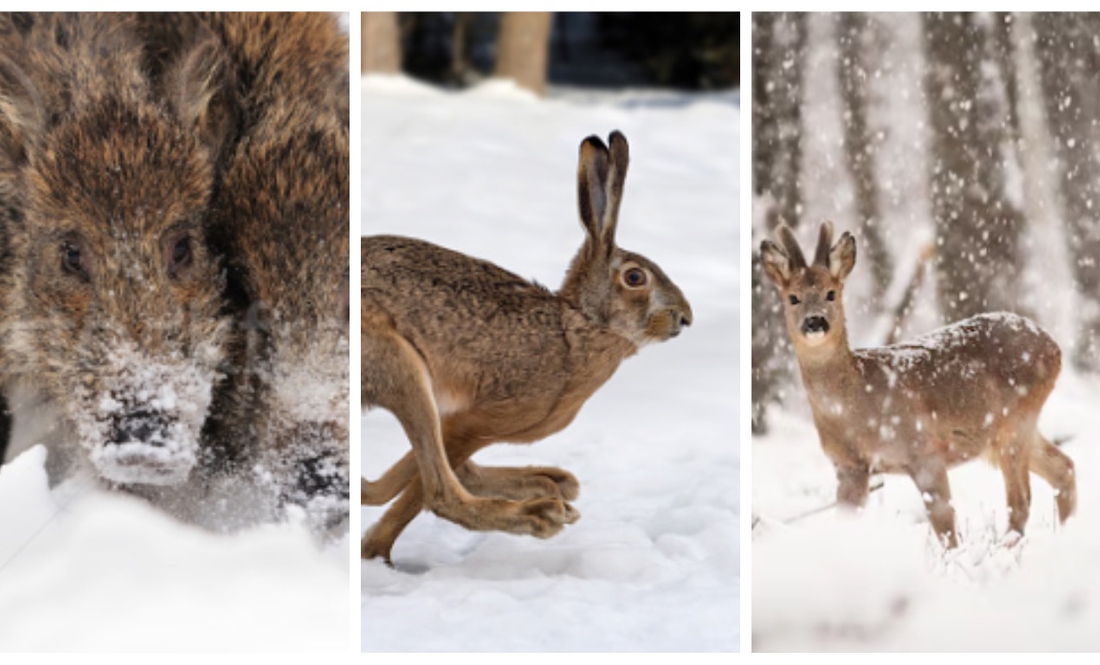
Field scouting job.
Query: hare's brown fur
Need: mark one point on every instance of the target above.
(466, 354)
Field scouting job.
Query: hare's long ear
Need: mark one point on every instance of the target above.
(22, 111)
(616, 177)
(201, 88)
(592, 171)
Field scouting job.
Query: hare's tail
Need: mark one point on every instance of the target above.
(383, 490)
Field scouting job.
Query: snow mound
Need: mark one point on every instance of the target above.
(86, 569)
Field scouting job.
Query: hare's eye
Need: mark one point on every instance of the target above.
(72, 260)
(830, 296)
(794, 299)
(634, 278)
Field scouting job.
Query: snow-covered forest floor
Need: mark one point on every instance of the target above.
(653, 562)
(83, 569)
(880, 581)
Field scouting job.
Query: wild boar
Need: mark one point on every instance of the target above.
(113, 315)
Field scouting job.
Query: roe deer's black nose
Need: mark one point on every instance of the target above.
(815, 324)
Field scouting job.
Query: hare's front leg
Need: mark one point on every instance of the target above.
(523, 482)
(396, 378)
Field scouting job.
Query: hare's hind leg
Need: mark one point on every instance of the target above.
(522, 482)
(396, 378)
(378, 543)
(1053, 466)
(383, 490)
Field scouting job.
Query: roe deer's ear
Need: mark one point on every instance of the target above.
(201, 89)
(842, 258)
(824, 243)
(22, 111)
(592, 175)
(777, 265)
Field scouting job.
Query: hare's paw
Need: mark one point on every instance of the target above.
(567, 483)
(376, 548)
(543, 518)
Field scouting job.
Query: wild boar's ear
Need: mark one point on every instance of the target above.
(22, 112)
(201, 87)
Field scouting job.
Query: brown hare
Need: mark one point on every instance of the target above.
(973, 388)
(466, 354)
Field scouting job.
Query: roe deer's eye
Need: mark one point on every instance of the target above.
(794, 299)
(181, 255)
(72, 260)
(634, 278)
(830, 296)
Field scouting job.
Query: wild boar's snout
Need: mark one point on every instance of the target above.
(143, 426)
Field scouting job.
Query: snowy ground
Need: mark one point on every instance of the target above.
(878, 581)
(653, 563)
(84, 569)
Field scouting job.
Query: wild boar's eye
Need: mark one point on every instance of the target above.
(72, 260)
(181, 255)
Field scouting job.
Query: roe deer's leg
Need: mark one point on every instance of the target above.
(852, 485)
(930, 476)
(1014, 458)
(1053, 466)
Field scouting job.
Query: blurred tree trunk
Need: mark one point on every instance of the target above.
(977, 211)
(462, 70)
(778, 62)
(1069, 60)
(860, 149)
(381, 43)
(522, 49)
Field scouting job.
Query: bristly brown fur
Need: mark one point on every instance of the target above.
(107, 252)
(466, 354)
(280, 217)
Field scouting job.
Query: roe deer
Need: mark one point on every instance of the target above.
(921, 407)
(466, 354)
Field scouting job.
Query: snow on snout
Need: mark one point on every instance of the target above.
(141, 424)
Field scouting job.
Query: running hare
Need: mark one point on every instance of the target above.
(466, 354)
